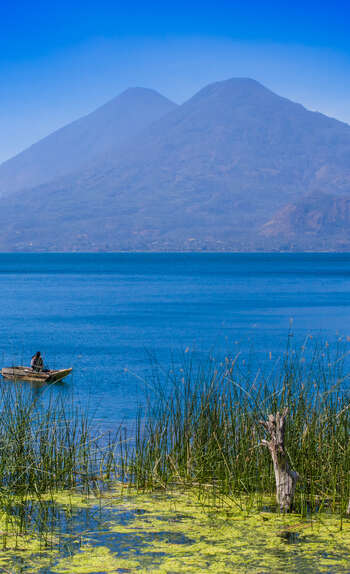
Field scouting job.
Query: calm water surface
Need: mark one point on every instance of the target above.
(103, 313)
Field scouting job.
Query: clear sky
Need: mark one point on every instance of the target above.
(60, 60)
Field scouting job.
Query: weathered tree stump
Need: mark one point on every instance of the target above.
(286, 478)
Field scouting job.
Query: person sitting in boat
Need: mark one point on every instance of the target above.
(37, 363)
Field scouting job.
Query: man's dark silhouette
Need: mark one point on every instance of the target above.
(37, 362)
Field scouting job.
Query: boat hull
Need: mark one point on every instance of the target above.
(27, 374)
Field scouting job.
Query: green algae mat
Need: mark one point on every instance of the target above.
(177, 533)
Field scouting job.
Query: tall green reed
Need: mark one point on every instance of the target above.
(201, 425)
(47, 444)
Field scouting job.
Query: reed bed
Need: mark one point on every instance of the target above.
(47, 444)
(201, 428)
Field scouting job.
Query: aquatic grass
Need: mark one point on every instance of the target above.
(198, 440)
(200, 426)
(51, 445)
(46, 446)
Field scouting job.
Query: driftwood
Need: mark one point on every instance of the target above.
(286, 478)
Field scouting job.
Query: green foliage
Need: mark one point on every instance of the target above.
(201, 426)
(45, 446)
(197, 489)
(175, 531)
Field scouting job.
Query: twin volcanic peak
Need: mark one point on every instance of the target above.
(84, 141)
(220, 172)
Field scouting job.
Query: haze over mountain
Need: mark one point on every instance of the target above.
(85, 140)
(213, 173)
(319, 221)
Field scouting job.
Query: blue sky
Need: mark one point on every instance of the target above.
(60, 60)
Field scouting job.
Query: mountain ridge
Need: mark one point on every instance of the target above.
(207, 175)
(84, 140)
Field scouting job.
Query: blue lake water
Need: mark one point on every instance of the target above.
(104, 313)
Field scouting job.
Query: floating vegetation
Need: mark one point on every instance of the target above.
(46, 446)
(176, 532)
(94, 559)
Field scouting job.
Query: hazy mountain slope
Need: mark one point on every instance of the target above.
(208, 175)
(316, 221)
(84, 141)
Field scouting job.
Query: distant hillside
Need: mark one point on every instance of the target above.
(208, 175)
(317, 221)
(84, 141)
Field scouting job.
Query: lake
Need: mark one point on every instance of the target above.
(104, 314)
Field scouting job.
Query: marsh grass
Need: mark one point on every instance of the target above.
(201, 427)
(198, 428)
(46, 446)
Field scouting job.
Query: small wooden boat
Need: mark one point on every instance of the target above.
(28, 374)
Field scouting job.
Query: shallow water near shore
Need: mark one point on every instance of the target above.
(104, 313)
(180, 532)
